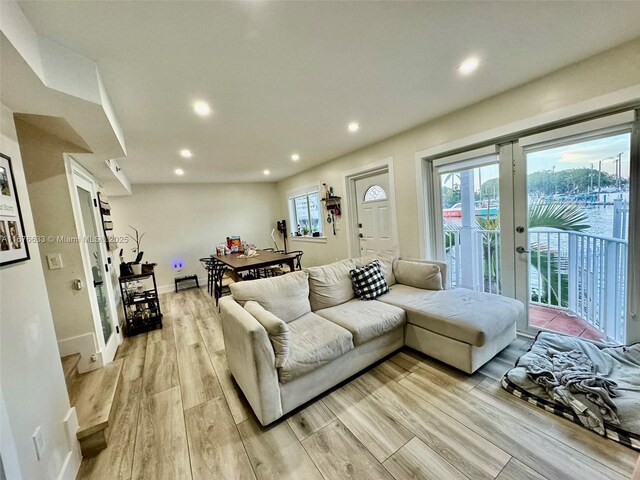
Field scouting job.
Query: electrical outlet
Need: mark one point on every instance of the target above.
(54, 261)
(38, 442)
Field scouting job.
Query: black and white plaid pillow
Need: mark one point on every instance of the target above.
(368, 281)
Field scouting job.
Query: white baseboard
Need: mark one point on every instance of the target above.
(202, 281)
(70, 467)
(86, 346)
(72, 461)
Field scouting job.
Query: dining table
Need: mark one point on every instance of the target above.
(238, 262)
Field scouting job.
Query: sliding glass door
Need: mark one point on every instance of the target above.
(547, 219)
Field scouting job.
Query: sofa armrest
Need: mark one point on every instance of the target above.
(251, 360)
(444, 269)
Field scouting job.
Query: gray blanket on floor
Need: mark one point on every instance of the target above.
(600, 384)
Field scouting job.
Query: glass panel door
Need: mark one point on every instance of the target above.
(470, 219)
(97, 261)
(577, 206)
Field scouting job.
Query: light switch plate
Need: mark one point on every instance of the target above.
(54, 261)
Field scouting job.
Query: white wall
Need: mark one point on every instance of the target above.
(599, 75)
(186, 221)
(33, 392)
(48, 186)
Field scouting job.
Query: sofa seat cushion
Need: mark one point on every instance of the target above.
(365, 320)
(464, 315)
(315, 341)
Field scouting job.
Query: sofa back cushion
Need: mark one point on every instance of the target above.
(330, 285)
(286, 296)
(419, 275)
(386, 260)
(277, 329)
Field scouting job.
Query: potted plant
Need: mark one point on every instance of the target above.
(136, 266)
(305, 231)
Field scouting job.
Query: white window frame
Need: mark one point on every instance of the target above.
(302, 192)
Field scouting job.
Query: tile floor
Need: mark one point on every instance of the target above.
(559, 321)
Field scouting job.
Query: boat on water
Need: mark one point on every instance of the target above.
(483, 209)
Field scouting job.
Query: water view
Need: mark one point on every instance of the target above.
(578, 213)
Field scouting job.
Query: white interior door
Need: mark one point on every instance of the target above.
(96, 268)
(374, 213)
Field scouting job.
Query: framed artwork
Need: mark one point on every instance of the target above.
(13, 247)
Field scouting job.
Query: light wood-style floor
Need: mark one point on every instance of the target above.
(180, 416)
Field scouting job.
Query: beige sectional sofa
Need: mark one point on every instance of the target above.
(290, 338)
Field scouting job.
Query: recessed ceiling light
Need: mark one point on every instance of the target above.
(186, 153)
(295, 157)
(267, 172)
(178, 171)
(469, 65)
(353, 127)
(201, 108)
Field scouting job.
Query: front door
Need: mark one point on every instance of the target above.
(375, 229)
(96, 268)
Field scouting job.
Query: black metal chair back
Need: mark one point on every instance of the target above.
(298, 260)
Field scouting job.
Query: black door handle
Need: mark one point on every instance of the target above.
(96, 284)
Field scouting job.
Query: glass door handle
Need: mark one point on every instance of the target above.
(521, 250)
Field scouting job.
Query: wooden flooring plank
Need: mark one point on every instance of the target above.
(338, 454)
(506, 359)
(116, 461)
(612, 454)
(516, 470)
(179, 304)
(240, 408)
(165, 303)
(312, 418)
(133, 356)
(378, 431)
(411, 359)
(215, 448)
(211, 332)
(469, 452)
(198, 380)
(523, 441)
(393, 370)
(185, 330)
(161, 368)
(276, 453)
(417, 461)
(164, 334)
(94, 394)
(161, 450)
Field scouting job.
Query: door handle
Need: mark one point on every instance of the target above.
(97, 284)
(361, 235)
(521, 250)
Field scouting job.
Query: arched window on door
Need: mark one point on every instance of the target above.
(375, 193)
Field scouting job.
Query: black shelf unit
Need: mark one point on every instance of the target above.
(142, 311)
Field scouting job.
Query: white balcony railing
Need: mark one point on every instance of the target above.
(581, 273)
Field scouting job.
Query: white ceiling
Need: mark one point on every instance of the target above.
(286, 77)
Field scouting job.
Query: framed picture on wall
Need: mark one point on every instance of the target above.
(13, 247)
